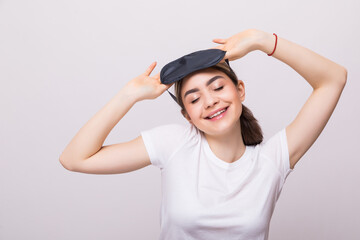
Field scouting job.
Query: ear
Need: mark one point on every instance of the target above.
(241, 89)
(186, 115)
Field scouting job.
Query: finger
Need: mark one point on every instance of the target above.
(167, 86)
(219, 40)
(217, 47)
(150, 68)
(157, 76)
(227, 56)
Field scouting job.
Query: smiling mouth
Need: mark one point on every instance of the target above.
(218, 113)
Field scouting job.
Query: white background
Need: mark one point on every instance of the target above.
(62, 61)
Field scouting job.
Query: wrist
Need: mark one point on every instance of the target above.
(266, 42)
(128, 93)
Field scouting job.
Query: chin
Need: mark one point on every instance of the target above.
(221, 126)
(221, 129)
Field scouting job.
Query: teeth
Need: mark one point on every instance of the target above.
(217, 113)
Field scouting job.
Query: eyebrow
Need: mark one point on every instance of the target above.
(207, 84)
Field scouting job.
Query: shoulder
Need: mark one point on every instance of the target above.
(171, 132)
(171, 128)
(275, 149)
(275, 141)
(163, 141)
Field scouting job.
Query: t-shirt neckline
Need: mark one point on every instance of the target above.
(221, 163)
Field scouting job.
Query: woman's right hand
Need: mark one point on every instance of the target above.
(146, 87)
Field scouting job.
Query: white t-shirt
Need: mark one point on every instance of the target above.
(206, 198)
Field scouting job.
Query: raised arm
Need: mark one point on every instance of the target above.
(326, 77)
(86, 153)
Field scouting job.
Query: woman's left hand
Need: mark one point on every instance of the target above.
(240, 44)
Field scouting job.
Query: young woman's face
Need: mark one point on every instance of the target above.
(207, 93)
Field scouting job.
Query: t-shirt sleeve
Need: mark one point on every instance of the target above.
(162, 141)
(276, 149)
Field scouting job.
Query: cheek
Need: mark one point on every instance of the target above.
(235, 95)
(230, 96)
(192, 110)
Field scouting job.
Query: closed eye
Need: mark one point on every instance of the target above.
(216, 89)
(194, 101)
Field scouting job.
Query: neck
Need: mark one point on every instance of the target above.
(229, 146)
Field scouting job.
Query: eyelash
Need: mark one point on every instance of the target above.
(217, 89)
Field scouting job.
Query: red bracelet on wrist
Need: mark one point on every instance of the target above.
(275, 45)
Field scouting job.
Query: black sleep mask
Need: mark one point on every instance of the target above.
(181, 67)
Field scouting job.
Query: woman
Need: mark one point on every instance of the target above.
(219, 180)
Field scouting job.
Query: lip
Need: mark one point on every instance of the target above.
(215, 112)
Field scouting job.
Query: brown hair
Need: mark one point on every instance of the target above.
(250, 129)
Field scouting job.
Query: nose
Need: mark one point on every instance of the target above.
(210, 100)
